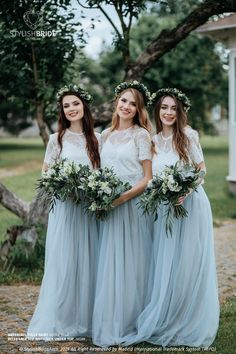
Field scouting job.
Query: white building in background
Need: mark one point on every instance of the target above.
(224, 30)
(216, 113)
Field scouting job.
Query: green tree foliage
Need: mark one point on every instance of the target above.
(101, 75)
(33, 67)
(126, 12)
(32, 70)
(194, 66)
(178, 8)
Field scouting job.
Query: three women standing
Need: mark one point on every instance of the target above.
(148, 287)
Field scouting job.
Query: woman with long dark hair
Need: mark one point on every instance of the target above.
(184, 308)
(65, 303)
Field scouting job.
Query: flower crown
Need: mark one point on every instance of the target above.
(76, 89)
(135, 85)
(174, 92)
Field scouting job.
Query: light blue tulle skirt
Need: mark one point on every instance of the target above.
(66, 298)
(184, 307)
(122, 278)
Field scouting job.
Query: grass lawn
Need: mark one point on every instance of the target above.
(216, 157)
(16, 152)
(20, 167)
(21, 161)
(223, 344)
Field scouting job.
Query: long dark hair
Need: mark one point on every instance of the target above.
(87, 126)
(180, 140)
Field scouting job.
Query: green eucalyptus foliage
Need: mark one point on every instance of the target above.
(195, 67)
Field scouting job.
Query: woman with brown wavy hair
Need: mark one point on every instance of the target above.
(65, 303)
(184, 308)
(125, 237)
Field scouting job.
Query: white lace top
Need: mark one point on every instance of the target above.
(166, 155)
(73, 148)
(124, 150)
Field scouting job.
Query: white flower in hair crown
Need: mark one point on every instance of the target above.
(76, 89)
(173, 92)
(136, 85)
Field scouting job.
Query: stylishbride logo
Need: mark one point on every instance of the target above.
(33, 19)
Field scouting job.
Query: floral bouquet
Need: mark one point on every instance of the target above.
(63, 180)
(102, 189)
(173, 183)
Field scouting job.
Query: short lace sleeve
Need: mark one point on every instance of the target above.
(195, 149)
(98, 136)
(104, 136)
(143, 142)
(52, 150)
(154, 139)
(154, 144)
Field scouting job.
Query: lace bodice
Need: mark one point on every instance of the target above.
(166, 154)
(73, 148)
(124, 150)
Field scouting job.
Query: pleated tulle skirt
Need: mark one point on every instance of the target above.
(66, 298)
(184, 307)
(122, 278)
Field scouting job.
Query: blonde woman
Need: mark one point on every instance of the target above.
(125, 237)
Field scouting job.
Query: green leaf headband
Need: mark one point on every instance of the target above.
(135, 85)
(173, 92)
(76, 89)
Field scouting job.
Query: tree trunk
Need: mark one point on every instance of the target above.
(31, 214)
(41, 124)
(11, 202)
(168, 40)
(39, 103)
(102, 114)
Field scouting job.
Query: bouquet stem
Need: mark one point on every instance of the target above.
(174, 211)
(180, 211)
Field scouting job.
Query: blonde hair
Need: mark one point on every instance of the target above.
(141, 118)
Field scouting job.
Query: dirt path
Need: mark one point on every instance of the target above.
(18, 301)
